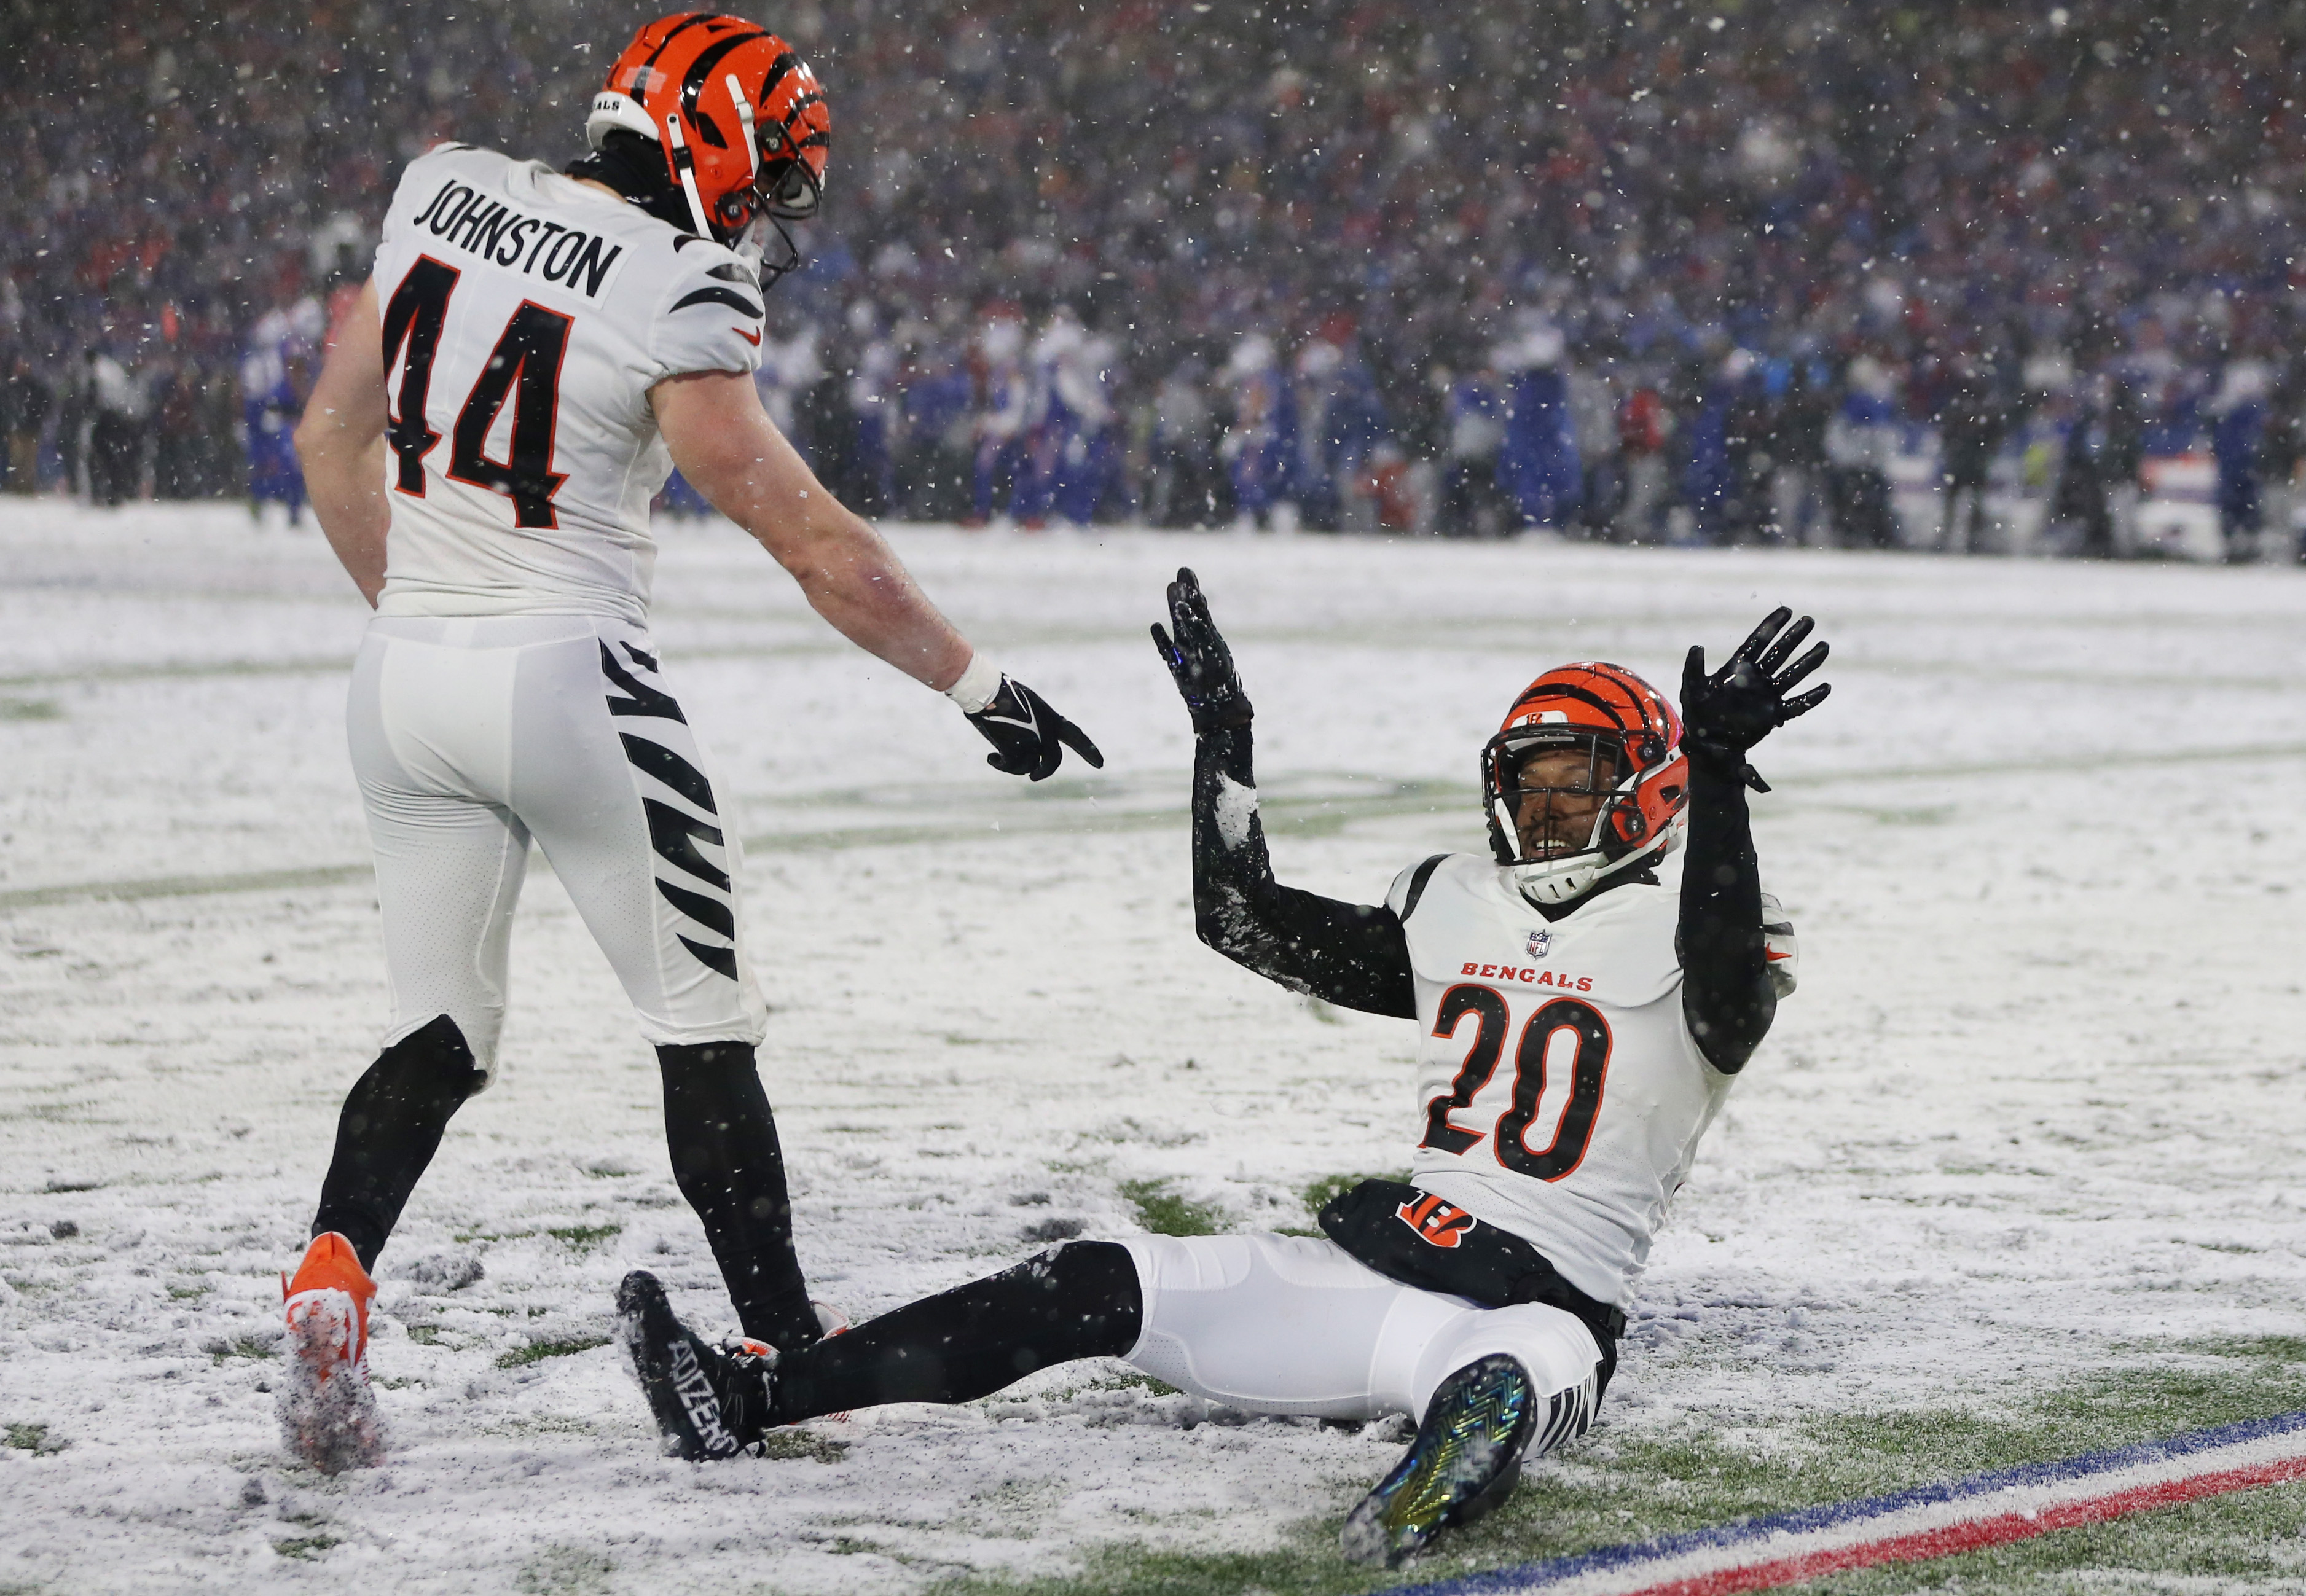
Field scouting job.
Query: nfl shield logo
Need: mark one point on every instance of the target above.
(1539, 940)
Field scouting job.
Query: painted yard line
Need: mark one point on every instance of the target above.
(1473, 638)
(1976, 1535)
(1307, 816)
(1931, 1520)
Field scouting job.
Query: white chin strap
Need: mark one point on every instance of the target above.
(1564, 880)
(1558, 881)
(753, 245)
(684, 163)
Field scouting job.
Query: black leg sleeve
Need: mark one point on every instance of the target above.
(1079, 1300)
(389, 1129)
(727, 1162)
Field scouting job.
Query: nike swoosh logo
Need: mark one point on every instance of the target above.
(1769, 957)
(753, 338)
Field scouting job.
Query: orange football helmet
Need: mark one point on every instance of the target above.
(1630, 735)
(740, 118)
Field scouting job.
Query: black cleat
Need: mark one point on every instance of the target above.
(708, 1402)
(1465, 1462)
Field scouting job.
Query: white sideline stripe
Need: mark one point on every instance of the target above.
(1644, 1573)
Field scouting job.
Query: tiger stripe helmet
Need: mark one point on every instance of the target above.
(742, 119)
(1621, 723)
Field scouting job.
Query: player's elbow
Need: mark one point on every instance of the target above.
(834, 555)
(324, 435)
(310, 440)
(1729, 1025)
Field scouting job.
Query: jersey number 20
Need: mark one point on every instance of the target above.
(529, 350)
(1589, 1067)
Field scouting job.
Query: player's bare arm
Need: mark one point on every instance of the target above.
(731, 452)
(341, 444)
(729, 449)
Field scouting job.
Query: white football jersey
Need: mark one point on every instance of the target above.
(525, 318)
(1561, 1095)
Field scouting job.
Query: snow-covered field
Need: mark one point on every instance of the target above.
(2038, 1111)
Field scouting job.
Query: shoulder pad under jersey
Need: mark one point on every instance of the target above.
(1779, 947)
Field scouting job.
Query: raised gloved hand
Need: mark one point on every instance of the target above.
(1723, 715)
(1196, 654)
(1029, 737)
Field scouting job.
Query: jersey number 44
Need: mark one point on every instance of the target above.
(525, 366)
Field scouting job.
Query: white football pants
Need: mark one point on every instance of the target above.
(470, 736)
(1272, 1324)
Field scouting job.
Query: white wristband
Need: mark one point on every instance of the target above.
(977, 686)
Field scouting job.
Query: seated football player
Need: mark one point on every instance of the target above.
(1581, 1020)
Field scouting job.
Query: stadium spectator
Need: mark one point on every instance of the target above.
(24, 403)
(1970, 429)
(1796, 189)
(116, 441)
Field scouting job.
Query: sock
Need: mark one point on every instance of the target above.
(727, 1163)
(388, 1131)
(1079, 1300)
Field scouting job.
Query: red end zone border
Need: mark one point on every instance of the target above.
(1911, 1527)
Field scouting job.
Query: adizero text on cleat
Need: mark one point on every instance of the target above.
(708, 1404)
(327, 1410)
(1464, 1461)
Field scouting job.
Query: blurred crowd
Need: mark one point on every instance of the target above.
(1965, 276)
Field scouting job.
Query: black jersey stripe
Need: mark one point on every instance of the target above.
(1417, 885)
(719, 296)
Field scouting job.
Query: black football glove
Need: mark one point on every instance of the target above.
(1196, 654)
(1723, 715)
(1029, 737)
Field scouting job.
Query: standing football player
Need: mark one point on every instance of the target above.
(1581, 1020)
(544, 349)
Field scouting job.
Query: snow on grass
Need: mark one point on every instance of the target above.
(2017, 1173)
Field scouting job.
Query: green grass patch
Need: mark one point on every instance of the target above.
(1166, 1214)
(1319, 1194)
(241, 1346)
(1609, 1488)
(30, 708)
(425, 1335)
(32, 1438)
(536, 1352)
(791, 1445)
(581, 1239)
(306, 1546)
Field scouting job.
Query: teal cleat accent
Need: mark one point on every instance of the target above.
(1465, 1461)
